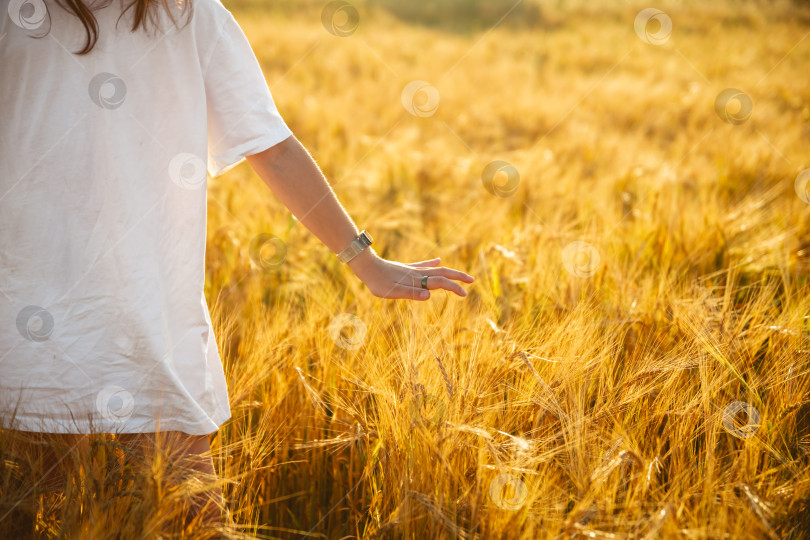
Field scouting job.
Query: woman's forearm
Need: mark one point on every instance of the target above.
(294, 177)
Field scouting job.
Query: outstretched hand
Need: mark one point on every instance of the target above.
(395, 280)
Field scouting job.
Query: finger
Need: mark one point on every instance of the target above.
(450, 273)
(431, 262)
(440, 282)
(404, 292)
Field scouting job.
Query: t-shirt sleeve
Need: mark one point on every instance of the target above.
(242, 116)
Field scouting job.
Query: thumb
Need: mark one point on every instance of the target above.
(431, 262)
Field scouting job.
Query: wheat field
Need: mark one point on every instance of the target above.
(632, 359)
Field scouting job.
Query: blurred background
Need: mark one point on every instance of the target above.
(625, 181)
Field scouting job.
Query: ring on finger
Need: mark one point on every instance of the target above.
(424, 282)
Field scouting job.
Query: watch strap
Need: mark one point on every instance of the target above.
(355, 247)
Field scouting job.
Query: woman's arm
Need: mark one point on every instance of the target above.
(294, 177)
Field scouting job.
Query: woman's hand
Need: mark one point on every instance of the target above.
(389, 279)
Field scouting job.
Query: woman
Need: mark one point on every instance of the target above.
(107, 135)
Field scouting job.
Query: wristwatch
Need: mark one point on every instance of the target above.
(355, 247)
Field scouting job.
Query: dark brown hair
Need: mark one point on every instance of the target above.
(144, 10)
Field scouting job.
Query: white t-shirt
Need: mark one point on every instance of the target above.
(103, 158)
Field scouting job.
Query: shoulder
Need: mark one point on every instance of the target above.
(214, 28)
(209, 14)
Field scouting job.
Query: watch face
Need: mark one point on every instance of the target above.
(368, 237)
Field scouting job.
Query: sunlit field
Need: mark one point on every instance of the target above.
(633, 358)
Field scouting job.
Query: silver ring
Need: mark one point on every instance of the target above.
(424, 282)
